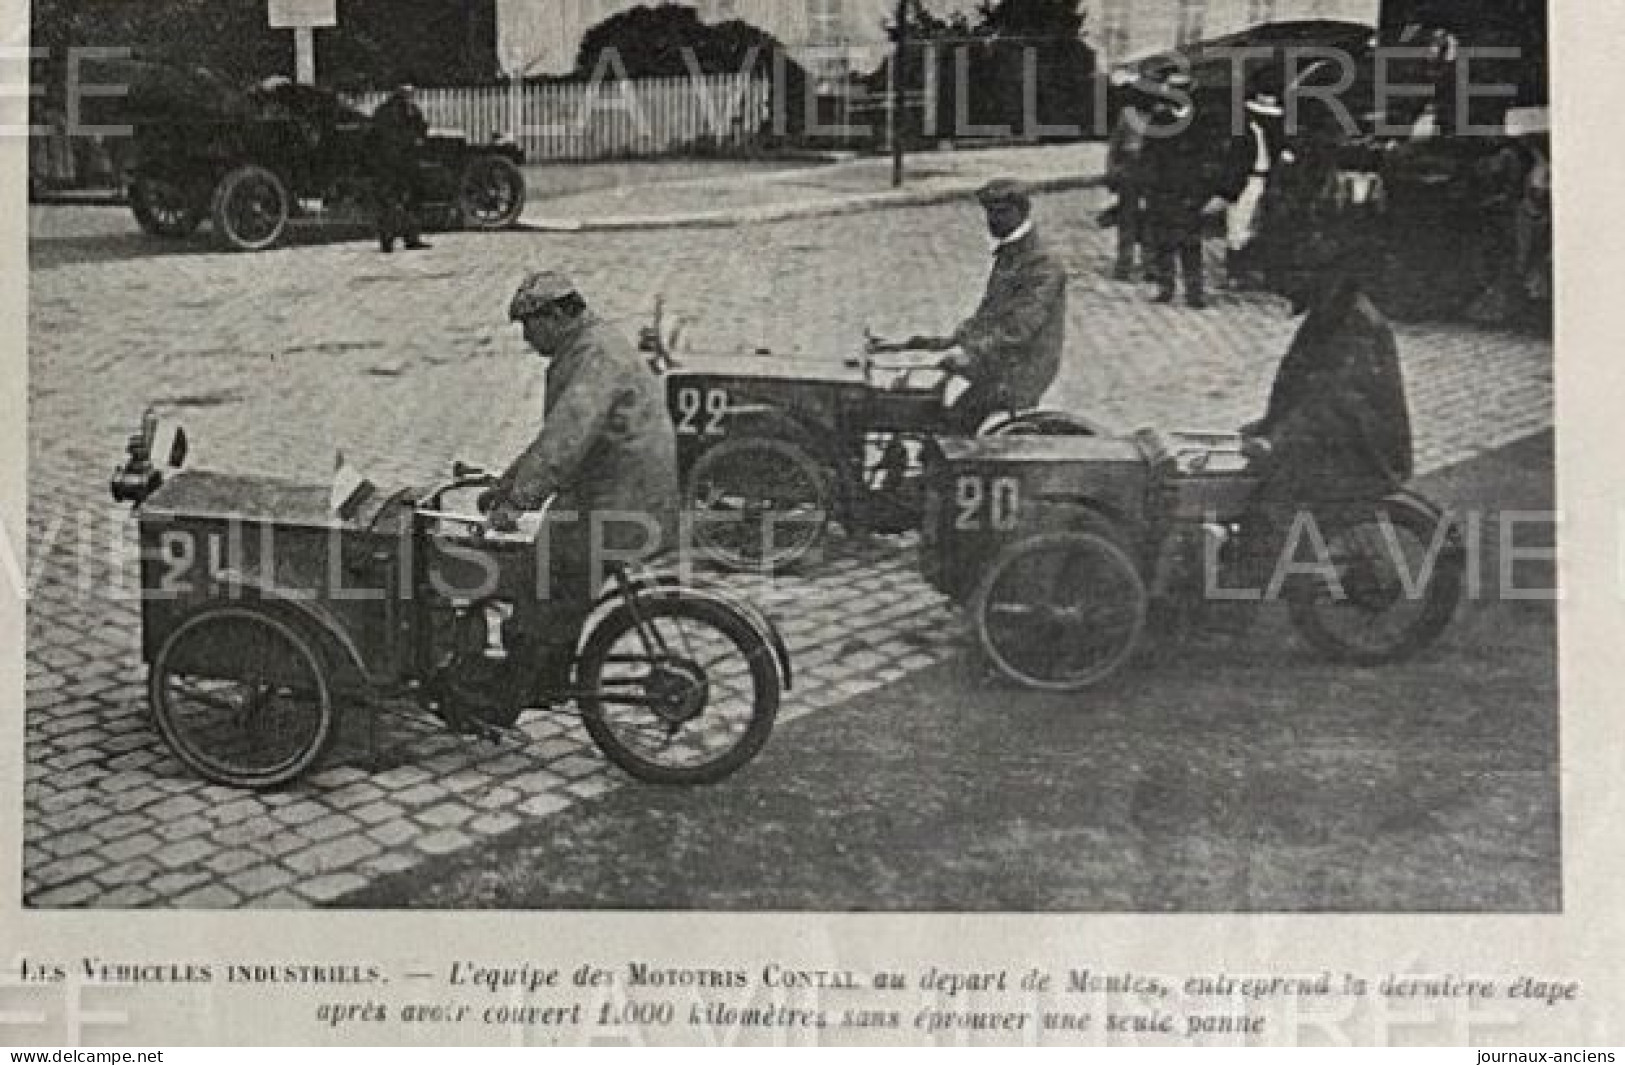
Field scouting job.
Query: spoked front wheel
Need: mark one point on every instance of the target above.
(242, 698)
(681, 691)
(1060, 611)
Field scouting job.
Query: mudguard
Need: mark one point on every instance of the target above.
(1411, 499)
(670, 585)
(1414, 500)
(1006, 423)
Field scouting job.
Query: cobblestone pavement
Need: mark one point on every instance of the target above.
(275, 360)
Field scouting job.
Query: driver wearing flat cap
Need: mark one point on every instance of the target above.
(1010, 348)
(606, 450)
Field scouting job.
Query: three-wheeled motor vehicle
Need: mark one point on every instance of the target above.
(773, 449)
(270, 610)
(1060, 549)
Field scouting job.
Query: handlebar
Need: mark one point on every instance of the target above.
(464, 476)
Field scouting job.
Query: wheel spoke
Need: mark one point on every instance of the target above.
(696, 715)
(260, 726)
(1060, 610)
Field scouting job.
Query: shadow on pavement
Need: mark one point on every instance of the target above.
(110, 242)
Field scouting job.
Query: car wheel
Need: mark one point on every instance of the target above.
(491, 194)
(164, 208)
(250, 210)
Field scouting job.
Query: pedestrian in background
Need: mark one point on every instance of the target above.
(399, 131)
(1255, 158)
(1123, 176)
(1178, 185)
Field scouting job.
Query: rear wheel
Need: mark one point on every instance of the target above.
(682, 692)
(250, 209)
(261, 726)
(1395, 580)
(1060, 611)
(165, 209)
(758, 503)
(491, 192)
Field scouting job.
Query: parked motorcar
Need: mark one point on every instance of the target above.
(249, 160)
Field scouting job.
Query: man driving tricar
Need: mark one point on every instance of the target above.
(1010, 348)
(1337, 427)
(606, 449)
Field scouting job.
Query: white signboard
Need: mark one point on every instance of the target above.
(301, 14)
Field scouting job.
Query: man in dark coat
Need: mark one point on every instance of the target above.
(1337, 429)
(606, 450)
(1124, 177)
(398, 131)
(1010, 348)
(1178, 163)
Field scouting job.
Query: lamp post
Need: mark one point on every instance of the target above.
(894, 113)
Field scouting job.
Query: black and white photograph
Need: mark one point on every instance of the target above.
(791, 456)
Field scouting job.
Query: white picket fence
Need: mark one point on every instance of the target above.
(605, 119)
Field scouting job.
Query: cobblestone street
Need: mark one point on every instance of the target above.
(274, 361)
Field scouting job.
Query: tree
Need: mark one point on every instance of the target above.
(1048, 19)
(376, 42)
(671, 41)
(984, 67)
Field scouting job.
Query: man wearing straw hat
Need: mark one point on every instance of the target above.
(1257, 153)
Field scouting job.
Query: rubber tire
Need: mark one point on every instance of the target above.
(306, 649)
(1443, 596)
(792, 452)
(141, 205)
(221, 215)
(764, 682)
(1042, 423)
(1095, 534)
(511, 173)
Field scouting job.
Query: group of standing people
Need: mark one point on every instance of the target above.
(1167, 161)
